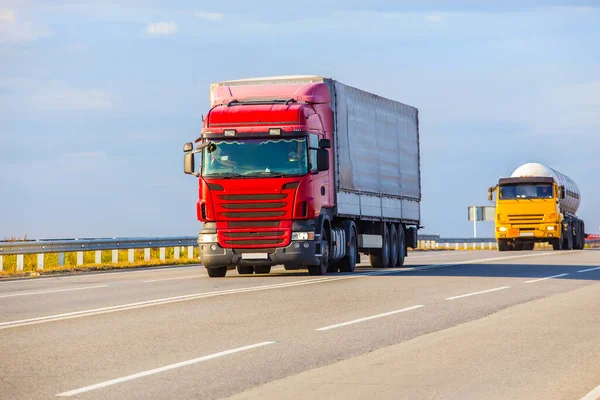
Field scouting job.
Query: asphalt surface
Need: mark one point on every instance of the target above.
(453, 325)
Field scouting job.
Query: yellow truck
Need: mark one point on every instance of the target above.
(537, 204)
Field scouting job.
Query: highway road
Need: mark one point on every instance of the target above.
(452, 325)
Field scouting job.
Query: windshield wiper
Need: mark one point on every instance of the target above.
(275, 174)
(224, 175)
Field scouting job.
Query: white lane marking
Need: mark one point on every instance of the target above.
(326, 328)
(543, 279)
(593, 395)
(123, 307)
(173, 279)
(161, 369)
(476, 293)
(168, 300)
(588, 270)
(52, 291)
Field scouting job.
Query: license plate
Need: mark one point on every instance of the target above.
(255, 256)
(526, 233)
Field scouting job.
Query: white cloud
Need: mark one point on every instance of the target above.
(161, 28)
(25, 95)
(7, 16)
(211, 16)
(434, 18)
(12, 30)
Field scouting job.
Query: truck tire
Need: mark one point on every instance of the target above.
(568, 239)
(348, 263)
(262, 269)
(245, 269)
(557, 244)
(217, 272)
(518, 246)
(401, 246)
(321, 269)
(502, 245)
(380, 258)
(528, 246)
(394, 248)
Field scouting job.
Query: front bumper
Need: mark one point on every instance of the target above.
(213, 255)
(538, 232)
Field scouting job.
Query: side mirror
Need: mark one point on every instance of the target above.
(491, 194)
(188, 159)
(325, 144)
(188, 163)
(322, 160)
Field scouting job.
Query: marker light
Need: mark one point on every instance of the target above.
(229, 132)
(274, 131)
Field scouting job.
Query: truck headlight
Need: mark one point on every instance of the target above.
(502, 229)
(208, 238)
(550, 228)
(303, 235)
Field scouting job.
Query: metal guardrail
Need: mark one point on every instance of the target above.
(62, 246)
(98, 245)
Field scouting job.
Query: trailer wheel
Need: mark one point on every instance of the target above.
(394, 248)
(245, 269)
(557, 244)
(348, 263)
(380, 258)
(321, 269)
(262, 269)
(401, 246)
(568, 239)
(217, 272)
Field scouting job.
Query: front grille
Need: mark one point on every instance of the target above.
(253, 234)
(252, 224)
(525, 218)
(237, 206)
(255, 214)
(253, 196)
(255, 242)
(264, 220)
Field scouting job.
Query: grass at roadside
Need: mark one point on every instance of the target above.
(51, 262)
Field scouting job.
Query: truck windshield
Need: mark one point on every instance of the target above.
(255, 157)
(511, 192)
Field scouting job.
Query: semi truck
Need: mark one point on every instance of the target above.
(537, 204)
(304, 172)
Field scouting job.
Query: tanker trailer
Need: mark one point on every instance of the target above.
(537, 204)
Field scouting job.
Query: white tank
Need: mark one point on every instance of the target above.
(572, 194)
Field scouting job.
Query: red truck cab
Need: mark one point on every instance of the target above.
(265, 175)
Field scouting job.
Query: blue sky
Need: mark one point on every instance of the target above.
(96, 100)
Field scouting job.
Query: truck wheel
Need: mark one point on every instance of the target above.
(518, 246)
(401, 246)
(245, 269)
(380, 258)
(321, 269)
(394, 250)
(348, 263)
(557, 244)
(568, 240)
(502, 245)
(217, 272)
(528, 246)
(262, 269)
